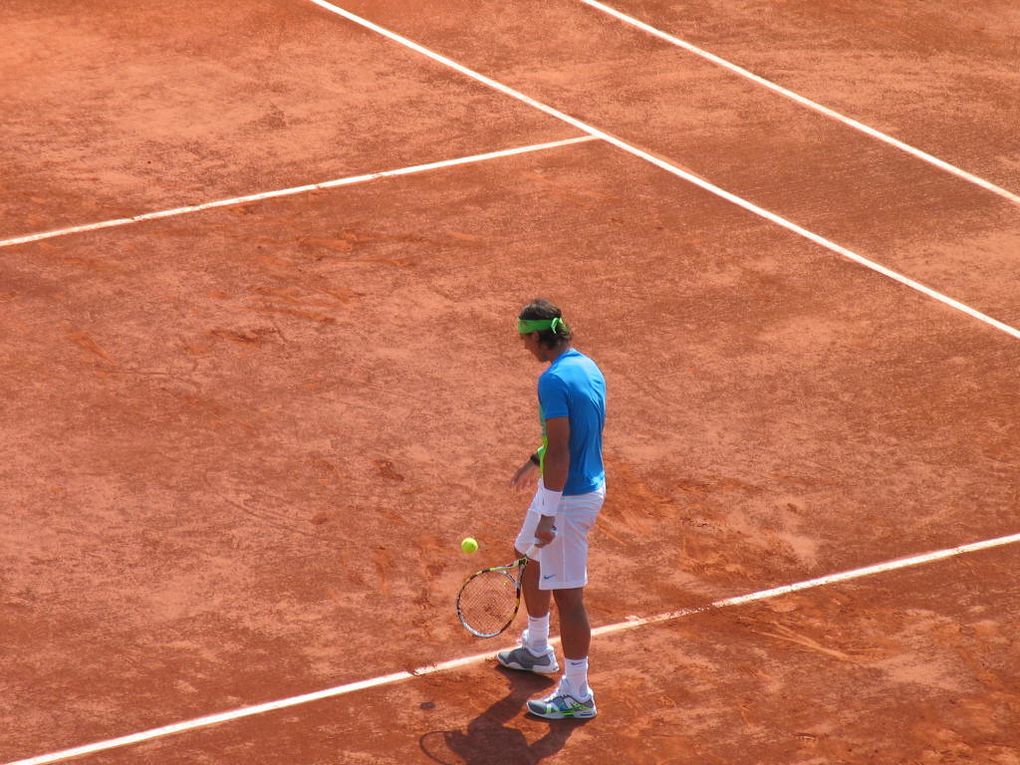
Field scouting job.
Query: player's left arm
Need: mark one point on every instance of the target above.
(554, 475)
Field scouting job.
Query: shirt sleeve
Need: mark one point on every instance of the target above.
(552, 397)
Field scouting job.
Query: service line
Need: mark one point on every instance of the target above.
(630, 623)
(803, 101)
(672, 168)
(335, 183)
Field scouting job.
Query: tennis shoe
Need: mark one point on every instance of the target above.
(562, 704)
(523, 659)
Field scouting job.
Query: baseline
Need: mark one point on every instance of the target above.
(675, 170)
(332, 184)
(804, 101)
(631, 622)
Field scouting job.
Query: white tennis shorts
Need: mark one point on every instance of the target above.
(563, 562)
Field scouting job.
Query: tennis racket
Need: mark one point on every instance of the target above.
(489, 600)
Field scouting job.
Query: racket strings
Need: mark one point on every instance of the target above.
(487, 602)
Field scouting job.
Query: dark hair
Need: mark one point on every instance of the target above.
(543, 309)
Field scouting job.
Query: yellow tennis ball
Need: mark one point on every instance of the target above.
(469, 545)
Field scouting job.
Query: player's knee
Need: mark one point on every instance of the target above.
(570, 602)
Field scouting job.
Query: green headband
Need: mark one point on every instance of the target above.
(527, 326)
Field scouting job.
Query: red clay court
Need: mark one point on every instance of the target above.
(259, 269)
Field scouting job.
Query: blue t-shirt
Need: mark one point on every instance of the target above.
(573, 387)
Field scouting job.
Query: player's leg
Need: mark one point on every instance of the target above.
(575, 631)
(565, 572)
(534, 654)
(572, 698)
(537, 601)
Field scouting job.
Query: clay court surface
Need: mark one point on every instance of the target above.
(240, 445)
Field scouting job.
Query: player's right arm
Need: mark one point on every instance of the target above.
(525, 476)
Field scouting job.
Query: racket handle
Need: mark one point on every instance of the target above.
(530, 554)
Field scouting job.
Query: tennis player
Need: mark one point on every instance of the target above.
(570, 493)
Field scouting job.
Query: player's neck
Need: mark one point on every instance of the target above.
(554, 353)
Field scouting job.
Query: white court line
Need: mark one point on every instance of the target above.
(793, 96)
(670, 168)
(349, 181)
(631, 623)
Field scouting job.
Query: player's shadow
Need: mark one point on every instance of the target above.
(490, 740)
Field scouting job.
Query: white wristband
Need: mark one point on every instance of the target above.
(548, 501)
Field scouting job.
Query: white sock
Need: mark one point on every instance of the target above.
(537, 640)
(575, 671)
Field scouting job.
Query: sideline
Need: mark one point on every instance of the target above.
(632, 622)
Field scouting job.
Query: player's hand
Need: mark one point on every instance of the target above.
(525, 476)
(545, 532)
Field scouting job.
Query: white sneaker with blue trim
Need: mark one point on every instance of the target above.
(562, 704)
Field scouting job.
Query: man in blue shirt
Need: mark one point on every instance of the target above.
(570, 493)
